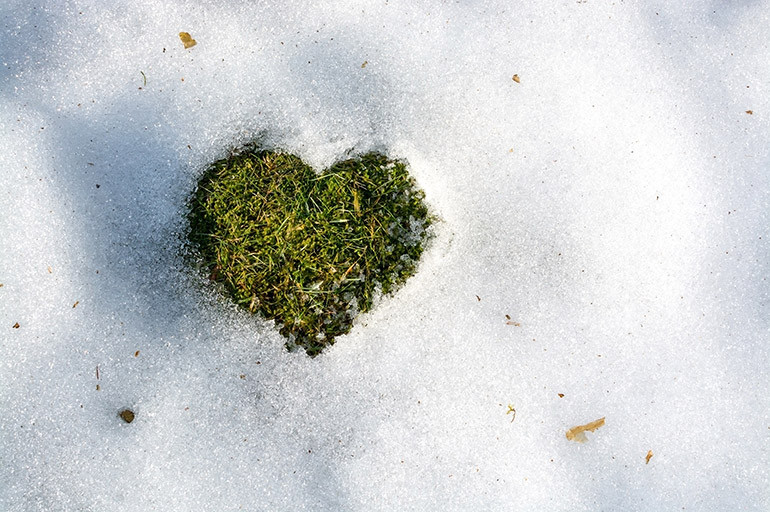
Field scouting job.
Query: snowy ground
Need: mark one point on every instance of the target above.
(614, 203)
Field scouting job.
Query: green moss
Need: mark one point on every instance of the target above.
(308, 250)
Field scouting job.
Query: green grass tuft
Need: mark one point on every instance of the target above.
(308, 250)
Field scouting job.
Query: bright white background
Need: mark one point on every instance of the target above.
(614, 203)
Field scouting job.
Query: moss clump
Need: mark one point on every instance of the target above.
(308, 250)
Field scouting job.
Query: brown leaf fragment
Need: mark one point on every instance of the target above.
(561, 395)
(577, 434)
(187, 40)
(50, 270)
(516, 79)
(477, 297)
(16, 325)
(750, 112)
(136, 354)
(511, 322)
(75, 304)
(648, 457)
(364, 64)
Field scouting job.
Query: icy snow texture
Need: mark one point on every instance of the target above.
(614, 203)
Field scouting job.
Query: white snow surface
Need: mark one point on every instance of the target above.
(615, 203)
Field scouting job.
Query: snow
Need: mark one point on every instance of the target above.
(614, 203)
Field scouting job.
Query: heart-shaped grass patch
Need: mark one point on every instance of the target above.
(308, 250)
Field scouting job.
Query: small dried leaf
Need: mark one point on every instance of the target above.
(75, 304)
(577, 434)
(516, 79)
(364, 64)
(750, 112)
(50, 270)
(561, 395)
(136, 354)
(187, 40)
(16, 325)
(648, 457)
(511, 322)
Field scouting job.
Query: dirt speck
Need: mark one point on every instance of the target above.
(126, 415)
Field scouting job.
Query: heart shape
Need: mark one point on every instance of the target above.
(310, 251)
